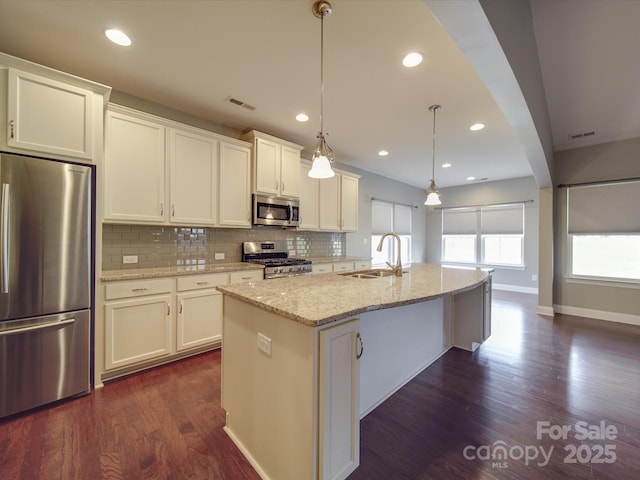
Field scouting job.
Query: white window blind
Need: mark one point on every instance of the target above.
(381, 217)
(604, 209)
(502, 220)
(462, 221)
(401, 219)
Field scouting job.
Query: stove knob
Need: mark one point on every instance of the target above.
(277, 270)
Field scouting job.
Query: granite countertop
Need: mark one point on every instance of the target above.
(337, 259)
(137, 273)
(315, 300)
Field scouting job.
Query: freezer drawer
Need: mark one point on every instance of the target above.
(43, 359)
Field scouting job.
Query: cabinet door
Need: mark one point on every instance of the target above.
(234, 186)
(267, 167)
(137, 330)
(134, 169)
(349, 203)
(289, 172)
(199, 319)
(329, 203)
(339, 445)
(49, 116)
(308, 200)
(193, 179)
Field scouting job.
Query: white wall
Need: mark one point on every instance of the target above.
(504, 191)
(607, 161)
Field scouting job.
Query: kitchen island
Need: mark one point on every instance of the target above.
(305, 358)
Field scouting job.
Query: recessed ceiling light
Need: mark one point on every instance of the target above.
(383, 153)
(471, 179)
(446, 165)
(302, 117)
(118, 37)
(476, 126)
(412, 59)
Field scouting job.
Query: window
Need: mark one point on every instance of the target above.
(603, 231)
(491, 235)
(390, 217)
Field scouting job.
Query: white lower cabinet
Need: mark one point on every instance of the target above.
(137, 330)
(339, 405)
(153, 321)
(199, 315)
(199, 319)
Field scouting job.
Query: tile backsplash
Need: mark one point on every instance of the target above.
(164, 246)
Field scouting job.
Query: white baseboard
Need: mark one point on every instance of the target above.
(514, 288)
(256, 466)
(599, 314)
(545, 311)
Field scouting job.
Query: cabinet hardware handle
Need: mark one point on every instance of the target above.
(359, 340)
(202, 283)
(12, 124)
(276, 185)
(168, 309)
(173, 210)
(180, 307)
(140, 289)
(283, 186)
(162, 209)
(246, 278)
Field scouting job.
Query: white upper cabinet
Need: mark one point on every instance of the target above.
(134, 169)
(193, 178)
(234, 190)
(51, 117)
(309, 191)
(159, 171)
(329, 203)
(338, 203)
(348, 203)
(275, 165)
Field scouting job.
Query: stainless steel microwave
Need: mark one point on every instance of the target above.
(276, 211)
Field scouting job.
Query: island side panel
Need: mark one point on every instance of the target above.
(271, 401)
(399, 343)
(469, 313)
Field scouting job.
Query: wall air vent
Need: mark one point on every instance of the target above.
(582, 135)
(240, 103)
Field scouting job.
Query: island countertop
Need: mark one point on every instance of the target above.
(315, 300)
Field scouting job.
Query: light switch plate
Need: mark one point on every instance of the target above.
(264, 344)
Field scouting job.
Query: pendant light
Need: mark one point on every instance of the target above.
(433, 193)
(323, 155)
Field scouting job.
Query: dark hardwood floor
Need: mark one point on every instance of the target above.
(166, 423)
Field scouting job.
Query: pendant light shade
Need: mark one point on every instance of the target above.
(323, 155)
(433, 193)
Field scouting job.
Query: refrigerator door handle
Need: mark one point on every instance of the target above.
(56, 323)
(4, 239)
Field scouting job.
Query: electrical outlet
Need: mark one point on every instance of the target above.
(534, 278)
(365, 241)
(130, 259)
(218, 256)
(264, 344)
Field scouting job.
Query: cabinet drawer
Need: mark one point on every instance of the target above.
(342, 266)
(137, 288)
(322, 268)
(362, 264)
(246, 276)
(194, 282)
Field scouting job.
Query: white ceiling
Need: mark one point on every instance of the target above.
(192, 55)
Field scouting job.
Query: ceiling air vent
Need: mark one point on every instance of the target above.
(581, 135)
(240, 103)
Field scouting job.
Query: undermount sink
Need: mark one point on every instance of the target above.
(371, 273)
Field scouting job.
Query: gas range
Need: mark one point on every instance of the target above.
(275, 258)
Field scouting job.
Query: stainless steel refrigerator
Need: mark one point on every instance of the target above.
(45, 281)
